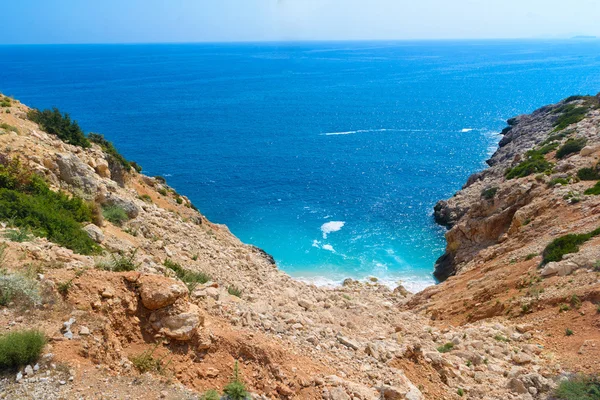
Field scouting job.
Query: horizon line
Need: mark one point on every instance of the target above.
(577, 37)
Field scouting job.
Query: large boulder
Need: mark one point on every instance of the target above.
(129, 206)
(77, 173)
(179, 321)
(94, 233)
(159, 291)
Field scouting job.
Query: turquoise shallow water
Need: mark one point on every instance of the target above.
(330, 156)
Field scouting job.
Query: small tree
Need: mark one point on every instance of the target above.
(236, 389)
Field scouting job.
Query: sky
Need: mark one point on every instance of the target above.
(151, 21)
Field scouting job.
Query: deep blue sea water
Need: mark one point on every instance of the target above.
(330, 156)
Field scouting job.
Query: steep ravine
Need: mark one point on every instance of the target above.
(143, 297)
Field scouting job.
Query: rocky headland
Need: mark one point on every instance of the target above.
(140, 296)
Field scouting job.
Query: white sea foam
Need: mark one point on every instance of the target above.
(465, 130)
(412, 284)
(357, 131)
(331, 226)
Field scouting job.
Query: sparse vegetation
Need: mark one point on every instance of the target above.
(589, 174)
(20, 348)
(146, 362)
(234, 291)
(579, 388)
(115, 214)
(594, 190)
(19, 235)
(163, 191)
(568, 332)
(210, 395)
(489, 193)
(501, 338)
(570, 114)
(236, 389)
(566, 245)
(5, 101)
(575, 301)
(534, 163)
(123, 263)
(558, 181)
(18, 287)
(8, 128)
(27, 203)
(64, 287)
(571, 146)
(446, 347)
(460, 392)
(530, 256)
(190, 278)
(59, 124)
(146, 198)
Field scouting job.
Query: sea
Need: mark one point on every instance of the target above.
(328, 155)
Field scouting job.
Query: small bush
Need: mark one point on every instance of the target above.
(160, 179)
(579, 388)
(20, 348)
(570, 114)
(9, 128)
(563, 308)
(571, 146)
(56, 123)
(588, 174)
(146, 198)
(501, 338)
(190, 278)
(236, 389)
(534, 163)
(575, 301)
(566, 245)
(210, 395)
(146, 362)
(115, 214)
(446, 347)
(18, 287)
(489, 193)
(64, 287)
(179, 200)
(530, 256)
(594, 190)
(234, 291)
(122, 263)
(460, 392)
(558, 181)
(18, 235)
(568, 332)
(5, 101)
(163, 191)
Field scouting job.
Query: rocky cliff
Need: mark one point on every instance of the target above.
(140, 296)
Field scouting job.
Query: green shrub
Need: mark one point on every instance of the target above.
(571, 146)
(579, 388)
(109, 149)
(236, 389)
(489, 193)
(210, 395)
(588, 174)
(8, 128)
(5, 101)
(547, 148)
(56, 123)
(568, 332)
(18, 235)
(446, 347)
(179, 200)
(563, 308)
(460, 392)
(570, 114)
(160, 179)
(28, 203)
(64, 287)
(501, 338)
(146, 198)
(234, 291)
(146, 362)
(594, 190)
(530, 256)
(163, 191)
(558, 181)
(566, 245)
(18, 287)
(190, 278)
(20, 348)
(534, 163)
(575, 301)
(115, 214)
(123, 263)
